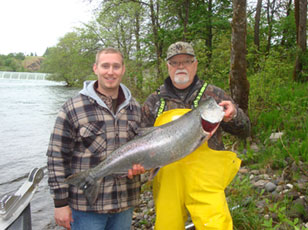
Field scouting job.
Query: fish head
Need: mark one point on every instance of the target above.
(211, 114)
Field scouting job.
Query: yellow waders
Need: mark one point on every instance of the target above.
(195, 184)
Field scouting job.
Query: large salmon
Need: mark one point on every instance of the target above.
(158, 147)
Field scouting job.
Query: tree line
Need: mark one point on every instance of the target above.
(14, 62)
(231, 40)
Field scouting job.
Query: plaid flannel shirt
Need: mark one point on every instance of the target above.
(84, 134)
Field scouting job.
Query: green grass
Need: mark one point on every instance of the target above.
(276, 104)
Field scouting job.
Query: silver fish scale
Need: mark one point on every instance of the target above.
(163, 145)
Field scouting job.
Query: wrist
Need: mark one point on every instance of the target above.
(60, 203)
(235, 114)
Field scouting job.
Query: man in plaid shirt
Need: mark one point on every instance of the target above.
(89, 126)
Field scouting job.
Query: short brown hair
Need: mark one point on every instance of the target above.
(108, 50)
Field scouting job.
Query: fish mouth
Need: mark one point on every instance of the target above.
(208, 126)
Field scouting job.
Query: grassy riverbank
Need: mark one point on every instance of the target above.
(277, 105)
(281, 107)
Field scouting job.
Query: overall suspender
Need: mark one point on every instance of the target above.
(195, 102)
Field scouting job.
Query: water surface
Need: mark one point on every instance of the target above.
(28, 109)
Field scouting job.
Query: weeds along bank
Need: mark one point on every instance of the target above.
(271, 189)
(277, 104)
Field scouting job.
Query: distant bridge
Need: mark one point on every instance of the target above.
(23, 75)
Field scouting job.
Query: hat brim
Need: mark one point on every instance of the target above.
(179, 54)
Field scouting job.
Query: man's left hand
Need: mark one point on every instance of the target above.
(136, 170)
(229, 109)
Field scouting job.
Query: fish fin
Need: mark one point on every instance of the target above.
(153, 173)
(85, 182)
(91, 192)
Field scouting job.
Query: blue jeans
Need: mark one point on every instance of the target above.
(100, 221)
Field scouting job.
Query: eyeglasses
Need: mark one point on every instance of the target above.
(107, 66)
(183, 63)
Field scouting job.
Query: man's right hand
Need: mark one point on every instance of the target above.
(63, 217)
(136, 170)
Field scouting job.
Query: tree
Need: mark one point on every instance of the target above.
(257, 25)
(209, 32)
(239, 85)
(301, 40)
(207, 21)
(69, 61)
(158, 43)
(284, 32)
(270, 10)
(12, 62)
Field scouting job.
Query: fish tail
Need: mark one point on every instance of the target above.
(78, 179)
(85, 182)
(91, 192)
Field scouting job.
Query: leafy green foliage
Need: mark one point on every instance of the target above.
(12, 62)
(70, 61)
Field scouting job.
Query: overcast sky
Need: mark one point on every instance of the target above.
(30, 26)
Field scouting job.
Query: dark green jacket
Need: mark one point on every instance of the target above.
(239, 126)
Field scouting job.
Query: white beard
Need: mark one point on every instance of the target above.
(181, 78)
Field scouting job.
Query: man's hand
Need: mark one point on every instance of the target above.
(229, 109)
(63, 217)
(136, 170)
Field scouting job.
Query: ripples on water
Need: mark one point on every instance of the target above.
(28, 109)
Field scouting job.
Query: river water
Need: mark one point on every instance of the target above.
(28, 109)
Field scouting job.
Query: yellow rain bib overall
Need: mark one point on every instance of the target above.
(194, 184)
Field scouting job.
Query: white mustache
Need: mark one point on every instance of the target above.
(181, 71)
(181, 76)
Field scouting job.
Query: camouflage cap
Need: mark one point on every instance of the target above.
(180, 48)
